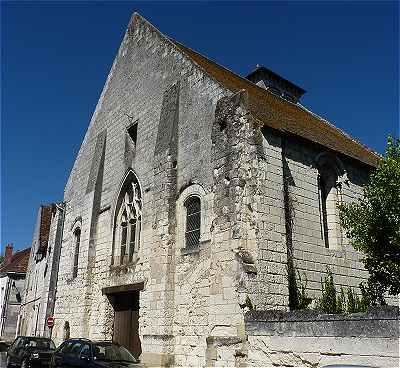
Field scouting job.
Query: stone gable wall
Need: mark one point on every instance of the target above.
(145, 68)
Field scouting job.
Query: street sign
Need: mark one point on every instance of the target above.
(50, 321)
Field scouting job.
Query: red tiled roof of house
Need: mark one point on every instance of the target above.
(45, 222)
(19, 262)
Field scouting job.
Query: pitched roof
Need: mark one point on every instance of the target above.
(18, 264)
(282, 115)
(271, 110)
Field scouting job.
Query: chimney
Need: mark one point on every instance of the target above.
(276, 84)
(8, 254)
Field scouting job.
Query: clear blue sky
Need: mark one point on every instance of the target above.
(56, 57)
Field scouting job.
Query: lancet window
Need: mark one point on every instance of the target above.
(128, 221)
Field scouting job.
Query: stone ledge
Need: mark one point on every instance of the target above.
(376, 323)
(189, 251)
(223, 340)
(386, 312)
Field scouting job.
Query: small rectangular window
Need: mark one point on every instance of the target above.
(77, 234)
(132, 131)
(193, 222)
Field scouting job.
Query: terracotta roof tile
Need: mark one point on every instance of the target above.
(45, 222)
(19, 262)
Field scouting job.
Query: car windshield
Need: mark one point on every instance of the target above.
(39, 343)
(112, 352)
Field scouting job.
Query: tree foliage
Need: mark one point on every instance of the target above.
(373, 224)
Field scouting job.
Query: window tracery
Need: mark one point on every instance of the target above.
(128, 221)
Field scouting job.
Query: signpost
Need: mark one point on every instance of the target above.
(50, 321)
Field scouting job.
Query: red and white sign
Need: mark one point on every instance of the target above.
(50, 322)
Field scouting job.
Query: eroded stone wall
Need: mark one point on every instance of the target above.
(306, 339)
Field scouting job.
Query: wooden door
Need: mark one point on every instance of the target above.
(126, 321)
(122, 327)
(135, 344)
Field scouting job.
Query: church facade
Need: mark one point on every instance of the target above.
(196, 195)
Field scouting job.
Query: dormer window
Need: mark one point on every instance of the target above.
(275, 91)
(279, 86)
(289, 98)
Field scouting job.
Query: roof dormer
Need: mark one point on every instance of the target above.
(276, 84)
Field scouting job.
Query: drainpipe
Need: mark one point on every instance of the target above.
(18, 297)
(5, 305)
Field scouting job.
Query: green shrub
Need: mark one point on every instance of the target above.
(353, 302)
(327, 302)
(333, 302)
(303, 299)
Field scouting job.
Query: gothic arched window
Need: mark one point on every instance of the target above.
(128, 221)
(193, 221)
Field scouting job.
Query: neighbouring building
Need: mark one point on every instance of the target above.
(41, 277)
(197, 193)
(12, 278)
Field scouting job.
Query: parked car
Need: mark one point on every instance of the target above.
(30, 352)
(92, 354)
(3, 346)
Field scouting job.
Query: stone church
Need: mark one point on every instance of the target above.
(196, 195)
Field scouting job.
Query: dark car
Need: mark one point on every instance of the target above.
(3, 346)
(92, 354)
(30, 352)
